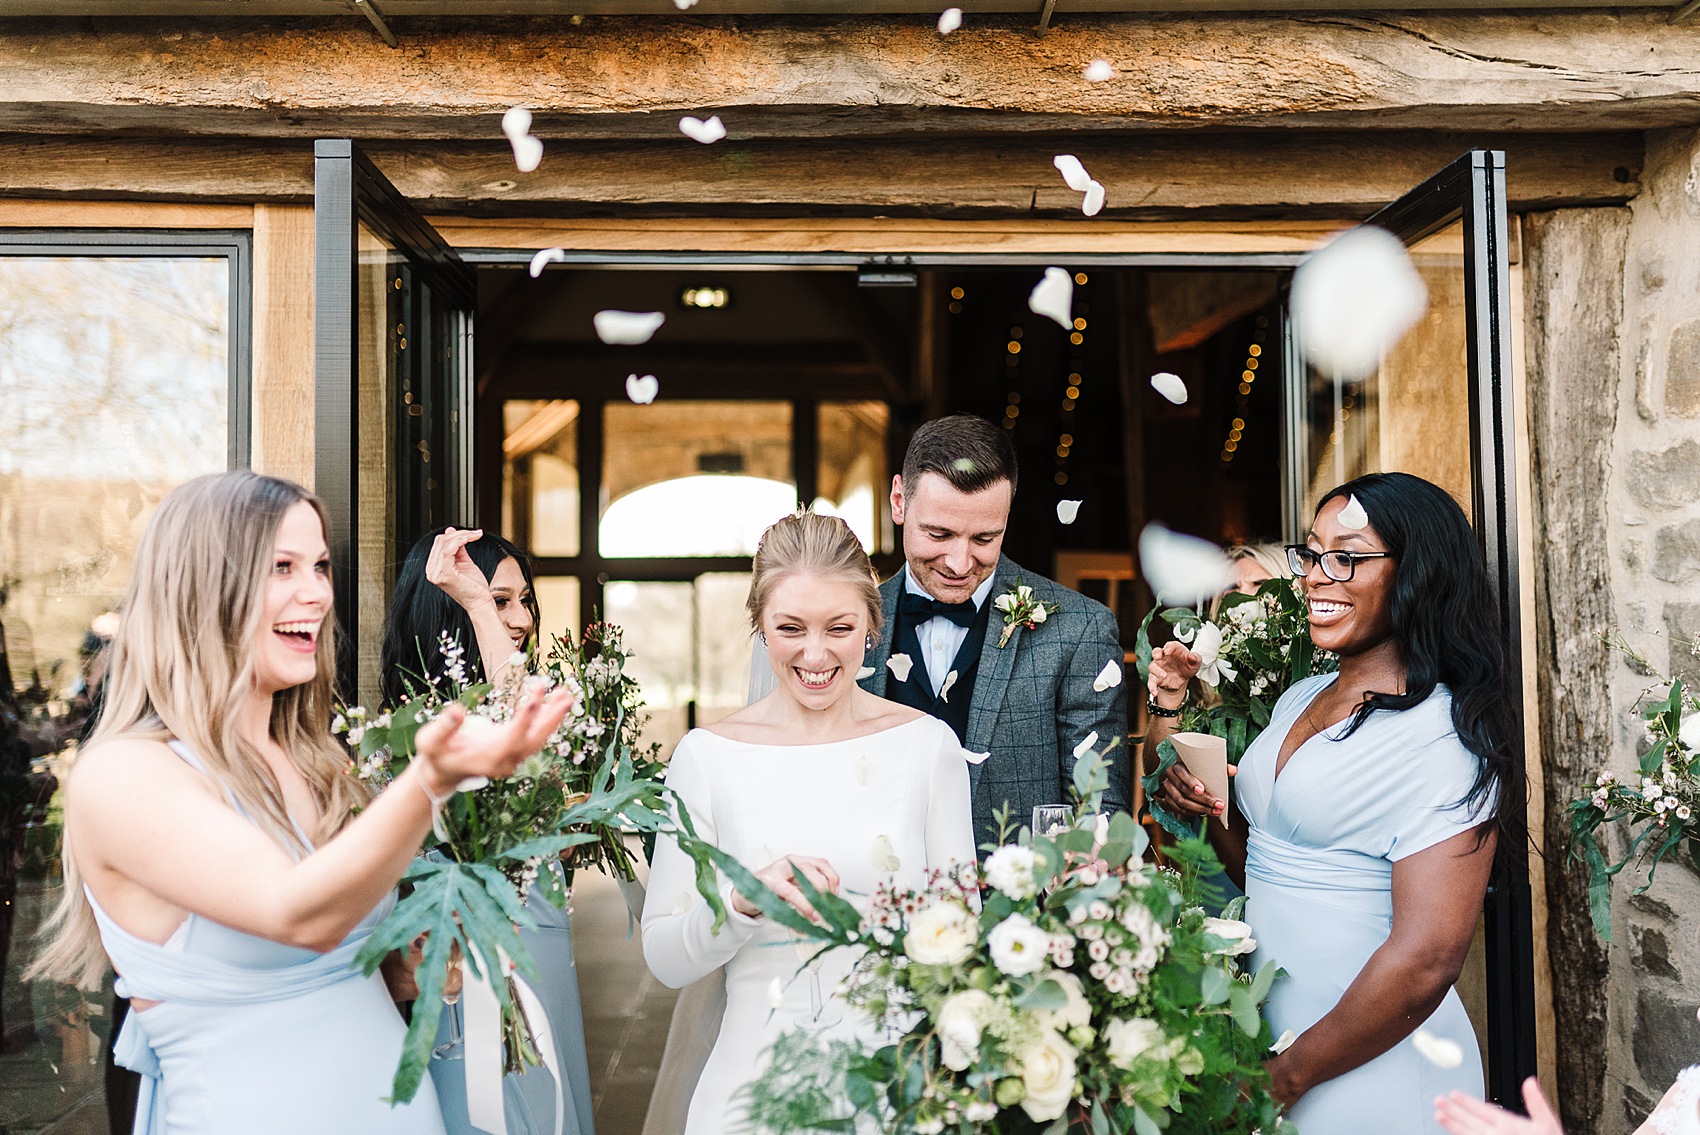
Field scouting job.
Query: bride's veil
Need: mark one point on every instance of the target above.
(763, 680)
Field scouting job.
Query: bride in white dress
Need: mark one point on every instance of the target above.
(819, 775)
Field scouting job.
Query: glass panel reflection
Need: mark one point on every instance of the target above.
(114, 383)
(558, 604)
(854, 476)
(540, 489)
(381, 336)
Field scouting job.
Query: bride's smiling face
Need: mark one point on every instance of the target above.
(817, 633)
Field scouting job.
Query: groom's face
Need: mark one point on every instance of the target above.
(951, 539)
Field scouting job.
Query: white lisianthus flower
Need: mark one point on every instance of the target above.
(1039, 614)
(355, 733)
(1077, 1012)
(1012, 870)
(339, 723)
(959, 1022)
(1231, 930)
(1206, 642)
(1127, 1040)
(1047, 1070)
(1017, 946)
(944, 934)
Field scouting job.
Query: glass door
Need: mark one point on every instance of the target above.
(393, 314)
(1440, 406)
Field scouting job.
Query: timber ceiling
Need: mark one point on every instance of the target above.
(1043, 8)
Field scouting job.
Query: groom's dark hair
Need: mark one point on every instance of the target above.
(968, 451)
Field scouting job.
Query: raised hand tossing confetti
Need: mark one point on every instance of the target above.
(528, 151)
(949, 20)
(698, 130)
(547, 256)
(1067, 511)
(1353, 515)
(1169, 386)
(1353, 300)
(627, 328)
(1053, 298)
(642, 390)
(1183, 570)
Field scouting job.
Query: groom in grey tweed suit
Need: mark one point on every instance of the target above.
(1028, 702)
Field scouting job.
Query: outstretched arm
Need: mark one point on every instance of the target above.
(1083, 710)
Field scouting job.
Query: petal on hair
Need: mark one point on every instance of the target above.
(1109, 677)
(547, 256)
(627, 328)
(1169, 386)
(1353, 515)
(1067, 511)
(900, 665)
(1053, 298)
(1353, 299)
(949, 20)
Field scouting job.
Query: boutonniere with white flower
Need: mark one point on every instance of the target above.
(1021, 608)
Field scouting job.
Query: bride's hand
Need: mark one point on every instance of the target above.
(1463, 1115)
(450, 751)
(451, 568)
(778, 878)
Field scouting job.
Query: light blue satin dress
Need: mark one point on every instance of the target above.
(255, 1037)
(529, 1099)
(1319, 885)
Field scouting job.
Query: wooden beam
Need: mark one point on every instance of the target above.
(511, 8)
(283, 342)
(1269, 173)
(686, 371)
(619, 76)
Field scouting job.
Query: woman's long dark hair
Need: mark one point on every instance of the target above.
(420, 612)
(1446, 625)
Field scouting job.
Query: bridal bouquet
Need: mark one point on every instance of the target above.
(1661, 804)
(1252, 649)
(1089, 993)
(568, 806)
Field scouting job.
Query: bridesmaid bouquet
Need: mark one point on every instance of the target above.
(569, 806)
(1661, 804)
(1088, 993)
(1253, 648)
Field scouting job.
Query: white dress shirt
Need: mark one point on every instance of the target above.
(940, 638)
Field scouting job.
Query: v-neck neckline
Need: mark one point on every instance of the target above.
(1282, 765)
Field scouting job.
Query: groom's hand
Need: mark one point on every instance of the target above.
(778, 878)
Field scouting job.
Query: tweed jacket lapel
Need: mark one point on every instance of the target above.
(889, 591)
(996, 666)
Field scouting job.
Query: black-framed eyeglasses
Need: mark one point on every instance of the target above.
(1338, 566)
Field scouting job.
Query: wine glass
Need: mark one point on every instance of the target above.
(1049, 819)
(822, 1013)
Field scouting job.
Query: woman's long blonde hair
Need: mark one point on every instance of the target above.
(182, 666)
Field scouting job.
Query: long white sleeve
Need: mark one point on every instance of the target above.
(679, 942)
(950, 813)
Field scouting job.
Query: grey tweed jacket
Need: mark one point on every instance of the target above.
(1033, 701)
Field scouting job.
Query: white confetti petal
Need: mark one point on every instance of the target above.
(1099, 71)
(1093, 201)
(1169, 386)
(1439, 1051)
(1283, 1042)
(642, 390)
(528, 151)
(944, 689)
(1087, 745)
(1067, 511)
(1109, 677)
(862, 770)
(775, 989)
(899, 665)
(976, 758)
(1053, 297)
(547, 256)
(684, 5)
(627, 328)
(1353, 299)
(1183, 570)
(1073, 173)
(949, 20)
(865, 673)
(516, 123)
(1353, 515)
(885, 856)
(700, 131)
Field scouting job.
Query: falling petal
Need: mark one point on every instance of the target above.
(776, 987)
(1099, 71)
(1087, 745)
(1073, 173)
(627, 328)
(1439, 1051)
(1067, 511)
(684, 5)
(1353, 515)
(1182, 569)
(705, 132)
(528, 151)
(865, 673)
(1283, 1042)
(516, 123)
(899, 665)
(885, 856)
(1353, 299)
(1053, 297)
(974, 758)
(1169, 386)
(547, 256)
(949, 681)
(683, 903)
(963, 464)
(642, 390)
(1094, 200)
(862, 770)
(949, 20)
(1109, 677)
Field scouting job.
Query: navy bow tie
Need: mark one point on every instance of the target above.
(917, 609)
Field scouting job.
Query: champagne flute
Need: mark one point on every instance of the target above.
(1049, 819)
(822, 1014)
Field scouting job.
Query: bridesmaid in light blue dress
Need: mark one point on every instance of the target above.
(1366, 816)
(478, 589)
(216, 849)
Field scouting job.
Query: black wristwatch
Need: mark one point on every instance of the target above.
(1156, 710)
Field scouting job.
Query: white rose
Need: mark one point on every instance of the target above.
(944, 934)
(1077, 1012)
(959, 1022)
(1005, 602)
(1039, 615)
(1047, 1069)
(1231, 930)
(1017, 946)
(1126, 1041)
(1012, 869)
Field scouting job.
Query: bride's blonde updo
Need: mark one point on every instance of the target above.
(807, 543)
